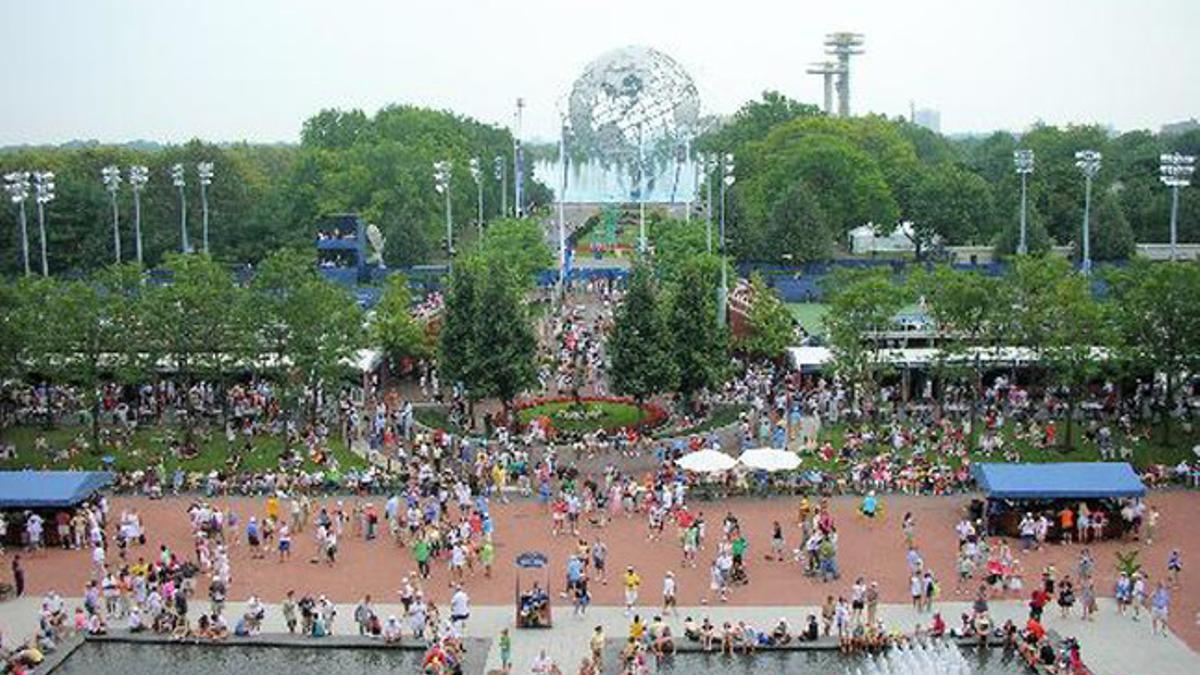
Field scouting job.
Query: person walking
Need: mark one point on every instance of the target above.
(1160, 604)
(632, 583)
(18, 575)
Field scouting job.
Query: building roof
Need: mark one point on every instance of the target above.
(1066, 480)
(49, 489)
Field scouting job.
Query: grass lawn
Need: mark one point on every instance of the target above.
(722, 415)
(809, 315)
(1145, 451)
(437, 418)
(600, 415)
(149, 445)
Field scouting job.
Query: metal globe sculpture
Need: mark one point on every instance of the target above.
(629, 92)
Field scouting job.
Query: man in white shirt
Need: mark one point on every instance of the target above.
(460, 609)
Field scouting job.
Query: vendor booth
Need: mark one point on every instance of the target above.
(533, 602)
(46, 494)
(1059, 491)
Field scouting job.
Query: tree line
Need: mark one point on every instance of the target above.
(1145, 325)
(804, 180)
(196, 322)
(265, 197)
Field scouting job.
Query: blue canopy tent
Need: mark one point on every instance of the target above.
(49, 489)
(1067, 480)
(1048, 488)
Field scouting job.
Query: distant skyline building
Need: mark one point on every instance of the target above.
(929, 118)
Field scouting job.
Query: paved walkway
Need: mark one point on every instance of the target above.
(1112, 645)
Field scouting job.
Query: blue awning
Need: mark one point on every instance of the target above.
(49, 489)
(1066, 480)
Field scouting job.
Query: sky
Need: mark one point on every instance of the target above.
(230, 70)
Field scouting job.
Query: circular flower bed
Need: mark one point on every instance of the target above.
(610, 413)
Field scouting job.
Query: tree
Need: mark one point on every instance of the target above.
(1109, 233)
(1158, 323)
(86, 329)
(798, 230)
(1076, 328)
(394, 327)
(458, 347)
(862, 305)
(639, 347)
(770, 323)
(313, 326)
(517, 246)
(966, 306)
(952, 206)
(197, 324)
(506, 353)
(698, 346)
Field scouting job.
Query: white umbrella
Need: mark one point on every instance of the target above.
(706, 461)
(770, 459)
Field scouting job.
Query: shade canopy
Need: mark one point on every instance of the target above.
(49, 489)
(770, 459)
(706, 461)
(1066, 480)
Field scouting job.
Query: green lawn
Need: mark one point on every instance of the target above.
(149, 445)
(602, 415)
(1145, 451)
(437, 418)
(722, 415)
(809, 315)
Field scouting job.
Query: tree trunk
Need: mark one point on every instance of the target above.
(1169, 405)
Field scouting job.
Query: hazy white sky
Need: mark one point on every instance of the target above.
(171, 70)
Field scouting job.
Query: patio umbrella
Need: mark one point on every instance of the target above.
(770, 459)
(706, 461)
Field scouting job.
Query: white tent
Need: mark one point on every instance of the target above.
(770, 459)
(706, 461)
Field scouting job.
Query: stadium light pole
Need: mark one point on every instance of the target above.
(476, 167)
(112, 182)
(1023, 160)
(1088, 162)
(177, 179)
(16, 184)
(1176, 172)
(502, 176)
(205, 172)
(687, 157)
(727, 181)
(138, 175)
(441, 183)
(43, 182)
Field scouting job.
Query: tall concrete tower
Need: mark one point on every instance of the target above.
(843, 46)
(827, 69)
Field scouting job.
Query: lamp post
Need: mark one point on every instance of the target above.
(502, 176)
(1177, 172)
(441, 183)
(1088, 162)
(562, 198)
(641, 192)
(16, 184)
(177, 179)
(43, 183)
(708, 162)
(477, 175)
(112, 182)
(727, 181)
(138, 175)
(687, 156)
(1023, 160)
(205, 171)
